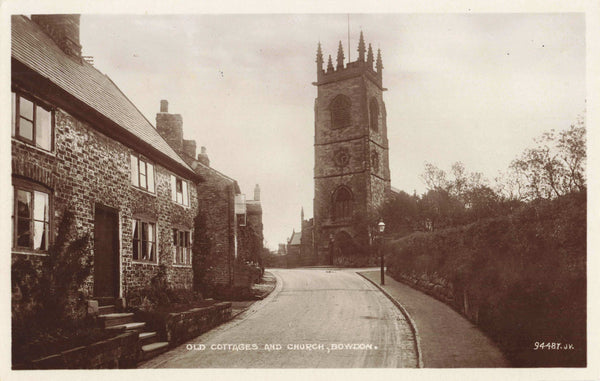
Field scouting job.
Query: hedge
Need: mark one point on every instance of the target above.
(521, 278)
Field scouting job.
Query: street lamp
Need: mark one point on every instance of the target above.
(381, 227)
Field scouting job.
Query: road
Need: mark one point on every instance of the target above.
(315, 318)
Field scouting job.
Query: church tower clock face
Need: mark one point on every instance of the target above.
(351, 152)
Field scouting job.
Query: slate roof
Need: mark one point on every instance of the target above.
(295, 240)
(35, 49)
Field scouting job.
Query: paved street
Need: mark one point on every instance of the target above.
(315, 318)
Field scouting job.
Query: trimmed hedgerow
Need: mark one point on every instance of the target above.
(521, 278)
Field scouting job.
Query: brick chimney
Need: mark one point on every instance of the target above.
(170, 127)
(189, 148)
(64, 30)
(203, 157)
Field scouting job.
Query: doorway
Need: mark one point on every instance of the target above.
(106, 252)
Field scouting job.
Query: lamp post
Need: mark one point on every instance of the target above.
(381, 229)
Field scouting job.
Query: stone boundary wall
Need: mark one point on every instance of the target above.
(443, 290)
(182, 326)
(118, 352)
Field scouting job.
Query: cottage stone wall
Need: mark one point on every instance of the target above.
(216, 197)
(86, 168)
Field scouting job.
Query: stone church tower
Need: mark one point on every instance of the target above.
(352, 176)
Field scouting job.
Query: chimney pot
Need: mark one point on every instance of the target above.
(256, 193)
(164, 105)
(203, 156)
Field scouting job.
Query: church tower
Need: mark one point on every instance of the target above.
(352, 176)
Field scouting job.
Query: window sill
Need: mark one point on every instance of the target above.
(144, 190)
(182, 266)
(183, 206)
(29, 145)
(24, 252)
(138, 262)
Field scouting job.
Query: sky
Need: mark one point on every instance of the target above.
(475, 88)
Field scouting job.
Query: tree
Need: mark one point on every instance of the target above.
(554, 167)
(400, 213)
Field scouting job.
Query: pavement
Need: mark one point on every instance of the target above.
(445, 338)
(260, 291)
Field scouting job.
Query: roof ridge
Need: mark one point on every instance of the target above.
(142, 114)
(36, 50)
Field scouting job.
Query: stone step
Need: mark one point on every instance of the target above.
(136, 326)
(105, 300)
(110, 320)
(148, 338)
(154, 349)
(109, 309)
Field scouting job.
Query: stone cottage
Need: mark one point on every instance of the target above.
(233, 223)
(79, 144)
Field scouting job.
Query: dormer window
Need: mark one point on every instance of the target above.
(32, 122)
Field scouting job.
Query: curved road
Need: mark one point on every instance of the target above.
(315, 318)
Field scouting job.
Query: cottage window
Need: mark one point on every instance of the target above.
(241, 219)
(179, 191)
(144, 241)
(340, 112)
(31, 122)
(30, 217)
(182, 251)
(142, 173)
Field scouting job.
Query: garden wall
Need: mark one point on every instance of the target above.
(521, 278)
(118, 352)
(183, 326)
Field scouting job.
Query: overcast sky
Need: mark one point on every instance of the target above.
(475, 88)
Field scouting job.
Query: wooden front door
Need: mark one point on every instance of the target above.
(106, 252)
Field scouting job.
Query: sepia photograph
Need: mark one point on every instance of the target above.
(296, 190)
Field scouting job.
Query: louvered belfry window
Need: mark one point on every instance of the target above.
(340, 112)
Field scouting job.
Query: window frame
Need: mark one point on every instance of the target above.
(185, 191)
(16, 97)
(182, 251)
(139, 241)
(138, 175)
(342, 209)
(32, 188)
(341, 112)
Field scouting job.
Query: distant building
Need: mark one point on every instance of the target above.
(282, 249)
(233, 223)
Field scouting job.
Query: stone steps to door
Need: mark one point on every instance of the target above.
(113, 319)
(105, 300)
(154, 349)
(108, 309)
(148, 338)
(136, 326)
